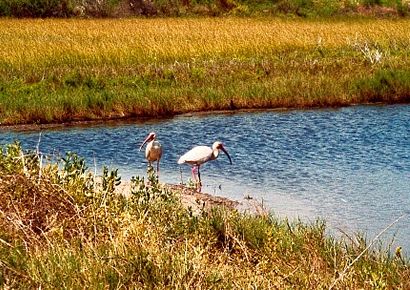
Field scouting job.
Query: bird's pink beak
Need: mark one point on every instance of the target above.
(227, 154)
(149, 138)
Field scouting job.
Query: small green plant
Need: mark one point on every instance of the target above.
(110, 180)
(191, 184)
(403, 7)
(147, 191)
(10, 157)
(74, 176)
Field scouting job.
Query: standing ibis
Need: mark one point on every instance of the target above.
(153, 151)
(201, 154)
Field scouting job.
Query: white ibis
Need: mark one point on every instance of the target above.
(153, 151)
(201, 154)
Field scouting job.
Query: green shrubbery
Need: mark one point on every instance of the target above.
(107, 8)
(63, 227)
(387, 85)
(36, 8)
(57, 8)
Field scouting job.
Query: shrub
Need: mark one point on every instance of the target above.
(143, 7)
(307, 8)
(384, 84)
(99, 8)
(36, 8)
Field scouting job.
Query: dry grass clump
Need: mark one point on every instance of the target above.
(30, 209)
(149, 240)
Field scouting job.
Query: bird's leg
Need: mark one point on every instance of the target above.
(180, 171)
(195, 177)
(150, 170)
(199, 181)
(194, 172)
(158, 168)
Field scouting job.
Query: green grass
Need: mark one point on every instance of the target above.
(63, 70)
(62, 228)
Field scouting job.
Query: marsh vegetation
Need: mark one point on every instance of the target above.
(58, 70)
(62, 227)
(154, 8)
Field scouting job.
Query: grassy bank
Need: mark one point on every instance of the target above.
(59, 228)
(63, 70)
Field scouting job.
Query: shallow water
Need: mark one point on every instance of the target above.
(349, 166)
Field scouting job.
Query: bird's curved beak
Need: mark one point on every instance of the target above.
(149, 137)
(227, 154)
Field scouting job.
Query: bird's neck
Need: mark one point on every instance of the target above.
(215, 154)
(155, 144)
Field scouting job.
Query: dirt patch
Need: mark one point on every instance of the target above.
(198, 201)
(190, 198)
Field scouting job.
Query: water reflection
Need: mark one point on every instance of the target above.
(350, 166)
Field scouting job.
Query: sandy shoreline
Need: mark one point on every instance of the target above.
(202, 201)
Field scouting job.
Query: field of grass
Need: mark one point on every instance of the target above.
(58, 70)
(60, 227)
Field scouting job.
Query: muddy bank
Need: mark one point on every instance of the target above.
(198, 202)
(202, 201)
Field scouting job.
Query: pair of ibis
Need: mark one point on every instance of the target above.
(194, 157)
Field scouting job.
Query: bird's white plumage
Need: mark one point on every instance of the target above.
(197, 155)
(153, 151)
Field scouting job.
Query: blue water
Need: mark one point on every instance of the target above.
(349, 166)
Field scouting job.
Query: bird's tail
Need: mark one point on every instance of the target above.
(181, 160)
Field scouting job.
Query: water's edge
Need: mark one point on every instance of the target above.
(349, 166)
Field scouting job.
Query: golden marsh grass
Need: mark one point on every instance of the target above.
(130, 41)
(58, 70)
